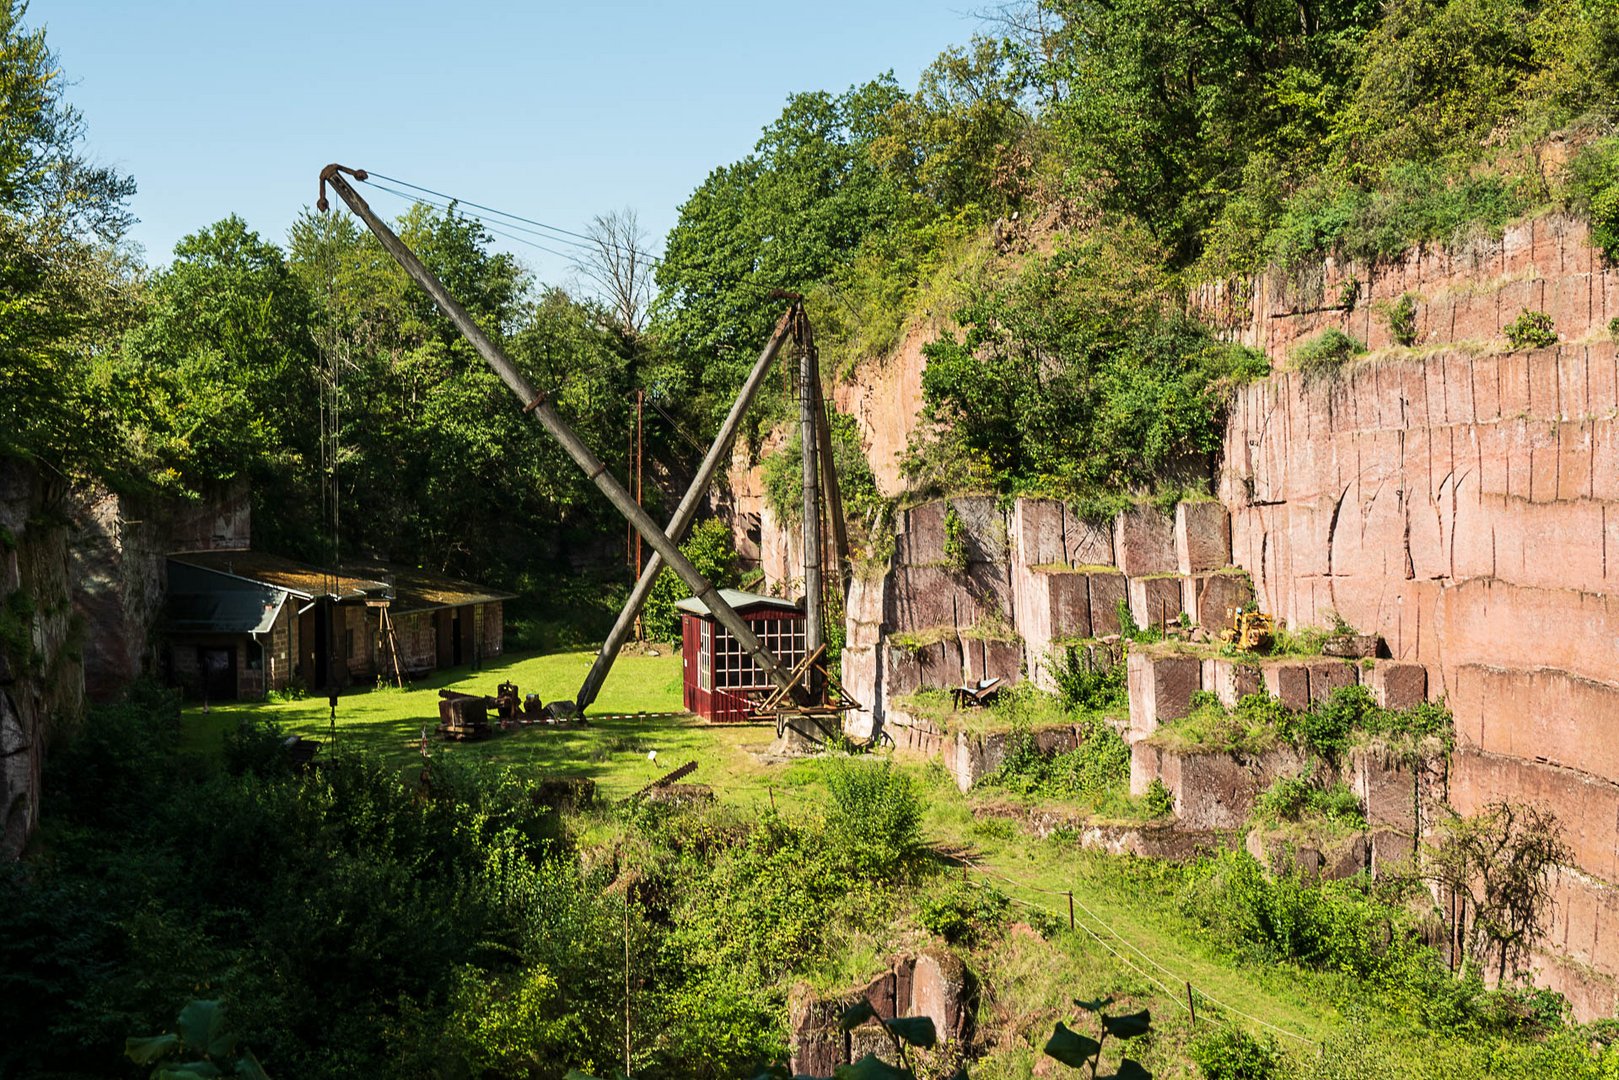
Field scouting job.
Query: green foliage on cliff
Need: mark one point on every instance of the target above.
(1078, 377)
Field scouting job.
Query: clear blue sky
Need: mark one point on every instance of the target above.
(557, 111)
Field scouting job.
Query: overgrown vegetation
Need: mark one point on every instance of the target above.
(1327, 728)
(1531, 330)
(1326, 354)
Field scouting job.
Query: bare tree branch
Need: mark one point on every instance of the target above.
(618, 265)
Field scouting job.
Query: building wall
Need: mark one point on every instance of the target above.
(417, 634)
(493, 628)
(356, 642)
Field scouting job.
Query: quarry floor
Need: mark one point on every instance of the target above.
(1130, 938)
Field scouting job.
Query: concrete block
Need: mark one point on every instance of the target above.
(1202, 536)
(1144, 541)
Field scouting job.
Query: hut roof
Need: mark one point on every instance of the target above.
(739, 600)
(297, 578)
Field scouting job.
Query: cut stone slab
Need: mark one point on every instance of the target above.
(1161, 688)
(1211, 598)
(1156, 601)
(1106, 590)
(1289, 683)
(1144, 541)
(1329, 675)
(1232, 680)
(1202, 536)
(1397, 685)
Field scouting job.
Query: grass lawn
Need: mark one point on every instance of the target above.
(612, 750)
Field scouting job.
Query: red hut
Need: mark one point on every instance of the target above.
(718, 674)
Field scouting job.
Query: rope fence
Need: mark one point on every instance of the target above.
(1187, 1006)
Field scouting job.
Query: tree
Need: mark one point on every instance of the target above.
(65, 289)
(619, 266)
(1495, 871)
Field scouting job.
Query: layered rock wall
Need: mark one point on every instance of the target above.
(41, 669)
(1463, 501)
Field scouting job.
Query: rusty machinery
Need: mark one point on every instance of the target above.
(805, 692)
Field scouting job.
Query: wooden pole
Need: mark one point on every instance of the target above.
(536, 403)
(809, 439)
(1070, 909)
(1191, 1004)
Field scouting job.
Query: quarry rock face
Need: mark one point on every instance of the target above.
(41, 677)
(1464, 504)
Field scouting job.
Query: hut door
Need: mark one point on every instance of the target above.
(218, 673)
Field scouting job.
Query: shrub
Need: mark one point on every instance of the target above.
(1081, 685)
(1325, 354)
(1230, 1053)
(874, 821)
(712, 550)
(1401, 317)
(1096, 766)
(964, 912)
(1158, 800)
(1531, 330)
(1296, 798)
(1613, 329)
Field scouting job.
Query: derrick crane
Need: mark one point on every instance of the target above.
(535, 403)
(806, 692)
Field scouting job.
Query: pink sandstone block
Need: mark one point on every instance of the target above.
(1545, 715)
(1574, 457)
(1329, 675)
(992, 660)
(1605, 460)
(1397, 685)
(1087, 543)
(1069, 597)
(1106, 590)
(1232, 680)
(1037, 526)
(1202, 536)
(1544, 398)
(1573, 383)
(1169, 683)
(923, 534)
(1567, 299)
(1602, 379)
(1155, 601)
(1213, 597)
(1288, 682)
(922, 597)
(1486, 388)
(1144, 538)
(1587, 808)
(1460, 407)
(1513, 381)
(942, 665)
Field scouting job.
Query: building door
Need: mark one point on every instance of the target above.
(458, 653)
(218, 673)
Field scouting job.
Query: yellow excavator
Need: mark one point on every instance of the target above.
(1250, 629)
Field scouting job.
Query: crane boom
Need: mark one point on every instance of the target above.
(535, 402)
